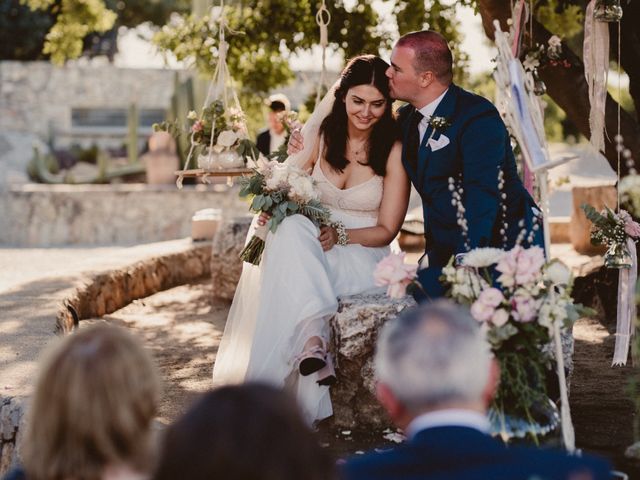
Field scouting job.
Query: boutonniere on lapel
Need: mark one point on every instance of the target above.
(437, 124)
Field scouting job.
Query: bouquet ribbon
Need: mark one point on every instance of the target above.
(626, 307)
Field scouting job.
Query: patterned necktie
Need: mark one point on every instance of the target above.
(413, 139)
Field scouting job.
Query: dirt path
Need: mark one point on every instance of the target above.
(183, 327)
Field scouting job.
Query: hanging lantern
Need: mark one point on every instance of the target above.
(607, 11)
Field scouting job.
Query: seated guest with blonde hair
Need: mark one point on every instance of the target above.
(90, 416)
(436, 378)
(243, 432)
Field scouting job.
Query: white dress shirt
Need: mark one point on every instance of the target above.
(276, 140)
(448, 418)
(427, 112)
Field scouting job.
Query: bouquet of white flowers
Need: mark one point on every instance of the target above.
(280, 190)
(519, 298)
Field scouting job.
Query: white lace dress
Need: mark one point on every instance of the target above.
(292, 295)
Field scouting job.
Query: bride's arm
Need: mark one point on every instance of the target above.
(393, 208)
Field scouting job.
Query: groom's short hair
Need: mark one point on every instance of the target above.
(432, 53)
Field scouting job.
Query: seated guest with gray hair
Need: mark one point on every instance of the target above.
(436, 378)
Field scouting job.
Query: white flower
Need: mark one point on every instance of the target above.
(227, 138)
(302, 189)
(278, 177)
(482, 257)
(558, 273)
(530, 63)
(467, 284)
(555, 41)
(192, 115)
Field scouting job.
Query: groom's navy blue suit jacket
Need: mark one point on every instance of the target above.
(478, 148)
(461, 453)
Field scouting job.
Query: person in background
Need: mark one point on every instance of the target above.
(271, 138)
(90, 416)
(436, 379)
(243, 432)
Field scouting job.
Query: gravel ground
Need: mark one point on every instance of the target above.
(183, 327)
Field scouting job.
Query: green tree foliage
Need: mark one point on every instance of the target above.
(74, 21)
(262, 33)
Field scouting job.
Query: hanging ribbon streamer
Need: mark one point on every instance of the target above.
(519, 18)
(626, 307)
(596, 67)
(323, 17)
(568, 433)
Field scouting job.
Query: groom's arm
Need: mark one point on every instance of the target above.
(483, 152)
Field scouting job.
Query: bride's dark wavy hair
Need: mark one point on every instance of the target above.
(361, 70)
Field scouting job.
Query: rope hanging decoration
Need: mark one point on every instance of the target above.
(220, 130)
(523, 114)
(323, 18)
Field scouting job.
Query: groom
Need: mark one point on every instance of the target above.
(449, 133)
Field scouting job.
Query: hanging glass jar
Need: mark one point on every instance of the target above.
(208, 159)
(617, 256)
(539, 87)
(607, 11)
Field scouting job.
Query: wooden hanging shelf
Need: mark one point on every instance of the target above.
(200, 172)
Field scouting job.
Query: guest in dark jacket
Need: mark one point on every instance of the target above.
(436, 379)
(271, 138)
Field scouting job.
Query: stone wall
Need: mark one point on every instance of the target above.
(35, 215)
(37, 98)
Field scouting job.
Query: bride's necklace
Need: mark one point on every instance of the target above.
(359, 150)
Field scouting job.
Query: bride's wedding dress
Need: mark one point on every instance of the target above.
(292, 294)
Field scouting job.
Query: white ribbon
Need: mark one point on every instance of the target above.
(568, 434)
(596, 68)
(626, 307)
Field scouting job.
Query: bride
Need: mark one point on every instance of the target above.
(278, 325)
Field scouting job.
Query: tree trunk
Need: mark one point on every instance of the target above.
(568, 88)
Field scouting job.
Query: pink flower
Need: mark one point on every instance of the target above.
(525, 308)
(392, 272)
(500, 317)
(631, 228)
(481, 311)
(491, 296)
(520, 266)
(198, 126)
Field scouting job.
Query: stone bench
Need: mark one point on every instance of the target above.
(354, 331)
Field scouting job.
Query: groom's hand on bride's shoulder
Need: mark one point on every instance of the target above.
(296, 143)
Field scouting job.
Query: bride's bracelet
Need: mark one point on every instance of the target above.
(340, 229)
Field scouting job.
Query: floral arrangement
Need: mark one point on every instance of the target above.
(392, 272)
(219, 129)
(289, 120)
(613, 230)
(280, 190)
(542, 55)
(519, 298)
